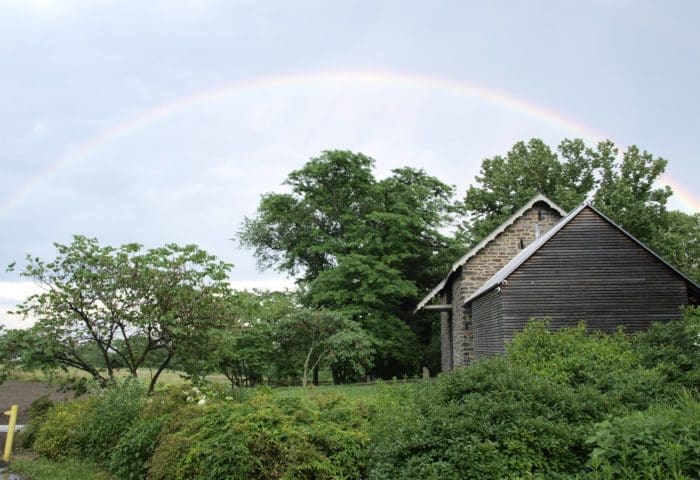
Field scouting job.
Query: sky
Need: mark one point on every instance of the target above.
(164, 121)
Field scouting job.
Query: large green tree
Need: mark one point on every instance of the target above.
(367, 247)
(506, 183)
(127, 304)
(624, 186)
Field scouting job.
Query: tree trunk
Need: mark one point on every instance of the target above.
(152, 385)
(306, 367)
(336, 377)
(316, 375)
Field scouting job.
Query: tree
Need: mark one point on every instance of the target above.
(10, 342)
(302, 232)
(365, 247)
(679, 242)
(506, 183)
(126, 303)
(245, 349)
(626, 190)
(373, 294)
(624, 187)
(311, 338)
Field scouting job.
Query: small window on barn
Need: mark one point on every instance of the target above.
(539, 214)
(521, 244)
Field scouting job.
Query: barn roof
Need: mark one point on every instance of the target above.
(530, 250)
(459, 263)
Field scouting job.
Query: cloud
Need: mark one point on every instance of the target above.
(45, 8)
(11, 294)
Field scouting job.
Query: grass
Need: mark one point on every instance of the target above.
(169, 377)
(358, 391)
(37, 468)
(175, 377)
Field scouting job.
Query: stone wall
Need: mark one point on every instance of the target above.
(446, 354)
(481, 267)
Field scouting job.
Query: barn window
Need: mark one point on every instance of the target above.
(539, 214)
(521, 244)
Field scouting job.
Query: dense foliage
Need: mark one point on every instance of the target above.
(367, 248)
(560, 405)
(550, 408)
(624, 186)
(662, 442)
(265, 437)
(121, 305)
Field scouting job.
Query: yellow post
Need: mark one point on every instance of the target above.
(12, 412)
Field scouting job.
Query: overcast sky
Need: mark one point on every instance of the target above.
(165, 121)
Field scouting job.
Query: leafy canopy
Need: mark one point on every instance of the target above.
(623, 185)
(366, 247)
(126, 303)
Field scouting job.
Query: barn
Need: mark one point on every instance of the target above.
(585, 267)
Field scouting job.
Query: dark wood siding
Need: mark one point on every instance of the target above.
(487, 324)
(592, 271)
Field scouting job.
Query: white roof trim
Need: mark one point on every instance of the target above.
(455, 266)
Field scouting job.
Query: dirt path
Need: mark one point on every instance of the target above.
(23, 394)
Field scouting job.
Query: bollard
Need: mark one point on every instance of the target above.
(12, 412)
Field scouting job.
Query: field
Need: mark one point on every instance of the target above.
(170, 377)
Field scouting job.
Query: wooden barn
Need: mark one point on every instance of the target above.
(584, 268)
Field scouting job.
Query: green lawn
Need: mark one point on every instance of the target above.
(174, 377)
(37, 468)
(352, 392)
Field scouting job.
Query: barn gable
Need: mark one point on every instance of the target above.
(585, 268)
(477, 266)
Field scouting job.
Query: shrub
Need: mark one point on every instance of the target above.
(576, 357)
(115, 409)
(129, 459)
(662, 442)
(38, 411)
(263, 438)
(674, 348)
(60, 435)
(493, 420)
(89, 427)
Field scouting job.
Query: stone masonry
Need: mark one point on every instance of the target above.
(456, 327)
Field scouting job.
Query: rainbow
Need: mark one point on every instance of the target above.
(682, 193)
(341, 77)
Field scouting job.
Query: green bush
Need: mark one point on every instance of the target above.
(493, 420)
(263, 438)
(89, 427)
(660, 443)
(130, 458)
(38, 411)
(60, 436)
(576, 357)
(674, 349)
(114, 410)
